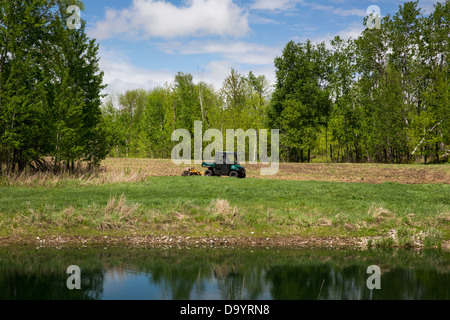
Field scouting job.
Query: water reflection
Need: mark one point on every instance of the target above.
(222, 273)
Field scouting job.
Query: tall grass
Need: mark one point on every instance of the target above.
(50, 179)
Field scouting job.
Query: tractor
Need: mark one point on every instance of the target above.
(226, 164)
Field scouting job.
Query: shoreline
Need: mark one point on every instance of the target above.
(312, 242)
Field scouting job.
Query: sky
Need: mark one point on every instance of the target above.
(144, 43)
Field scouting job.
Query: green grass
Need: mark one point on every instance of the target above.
(251, 207)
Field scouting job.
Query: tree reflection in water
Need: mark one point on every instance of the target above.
(223, 273)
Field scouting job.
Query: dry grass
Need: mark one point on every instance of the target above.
(50, 180)
(136, 170)
(118, 213)
(324, 222)
(380, 214)
(223, 209)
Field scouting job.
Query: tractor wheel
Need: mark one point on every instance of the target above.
(234, 174)
(208, 173)
(242, 175)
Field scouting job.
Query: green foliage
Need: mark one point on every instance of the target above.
(382, 97)
(50, 87)
(140, 123)
(433, 238)
(300, 103)
(384, 242)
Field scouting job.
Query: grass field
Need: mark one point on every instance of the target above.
(142, 197)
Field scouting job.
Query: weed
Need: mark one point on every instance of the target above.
(384, 242)
(223, 211)
(433, 238)
(405, 237)
(117, 213)
(380, 214)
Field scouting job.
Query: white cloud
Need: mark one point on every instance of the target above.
(121, 75)
(353, 31)
(284, 5)
(274, 5)
(217, 71)
(261, 20)
(158, 18)
(238, 52)
(350, 12)
(336, 11)
(428, 5)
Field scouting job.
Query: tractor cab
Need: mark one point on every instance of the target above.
(226, 164)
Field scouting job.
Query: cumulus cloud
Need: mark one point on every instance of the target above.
(215, 72)
(238, 52)
(158, 18)
(353, 31)
(121, 75)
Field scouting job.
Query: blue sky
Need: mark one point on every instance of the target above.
(144, 43)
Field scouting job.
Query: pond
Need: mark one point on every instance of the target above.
(222, 273)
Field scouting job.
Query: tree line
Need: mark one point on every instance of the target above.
(50, 86)
(140, 123)
(382, 97)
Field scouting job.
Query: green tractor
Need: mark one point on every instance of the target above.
(226, 164)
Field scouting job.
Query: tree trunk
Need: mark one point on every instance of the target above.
(200, 96)
(421, 152)
(326, 143)
(255, 151)
(367, 150)
(331, 152)
(437, 155)
(174, 115)
(346, 138)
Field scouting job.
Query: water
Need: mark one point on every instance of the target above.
(222, 274)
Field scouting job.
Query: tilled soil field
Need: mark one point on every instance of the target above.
(348, 172)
